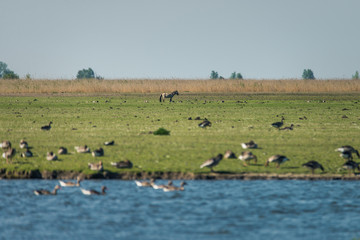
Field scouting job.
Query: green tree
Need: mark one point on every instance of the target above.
(356, 75)
(308, 74)
(239, 76)
(85, 73)
(3, 67)
(235, 75)
(8, 74)
(214, 75)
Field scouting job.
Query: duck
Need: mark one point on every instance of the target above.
(122, 164)
(46, 127)
(5, 145)
(23, 144)
(62, 150)
(71, 184)
(50, 156)
(98, 152)
(278, 124)
(229, 154)
(46, 192)
(174, 188)
(110, 143)
(288, 128)
(145, 183)
(212, 162)
(170, 183)
(9, 154)
(96, 166)
(247, 156)
(205, 123)
(351, 165)
(82, 149)
(278, 159)
(312, 165)
(347, 148)
(27, 153)
(94, 192)
(248, 145)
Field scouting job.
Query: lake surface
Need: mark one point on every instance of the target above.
(205, 210)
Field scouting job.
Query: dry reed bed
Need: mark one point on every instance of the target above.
(196, 85)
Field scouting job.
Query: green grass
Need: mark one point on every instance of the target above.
(130, 119)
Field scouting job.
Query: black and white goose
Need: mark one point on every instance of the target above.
(351, 166)
(229, 154)
(249, 145)
(247, 156)
(313, 165)
(62, 150)
(9, 154)
(212, 162)
(288, 128)
(96, 166)
(5, 145)
(122, 164)
(205, 123)
(46, 192)
(109, 143)
(346, 152)
(23, 144)
(94, 192)
(82, 149)
(50, 156)
(278, 124)
(98, 152)
(27, 153)
(46, 127)
(278, 159)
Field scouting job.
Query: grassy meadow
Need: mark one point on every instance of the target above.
(333, 120)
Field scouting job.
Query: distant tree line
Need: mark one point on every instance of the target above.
(6, 73)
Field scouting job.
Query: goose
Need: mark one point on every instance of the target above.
(278, 159)
(351, 165)
(9, 154)
(93, 192)
(96, 166)
(109, 143)
(247, 156)
(174, 188)
(82, 149)
(278, 124)
(50, 156)
(98, 152)
(27, 153)
(288, 128)
(205, 123)
(46, 127)
(348, 148)
(312, 165)
(23, 144)
(212, 162)
(229, 154)
(170, 183)
(248, 145)
(70, 184)
(46, 192)
(5, 145)
(122, 164)
(62, 150)
(145, 183)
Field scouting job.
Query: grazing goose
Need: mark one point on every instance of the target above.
(288, 128)
(229, 154)
(71, 184)
(82, 149)
(27, 153)
(9, 154)
(205, 123)
(122, 164)
(96, 166)
(278, 124)
(212, 162)
(46, 192)
(46, 127)
(62, 150)
(145, 183)
(109, 143)
(174, 188)
(312, 165)
(247, 156)
(248, 145)
(347, 149)
(93, 192)
(170, 183)
(98, 152)
(347, 155)
(23, 144)
(5, 145)
(278, 159)
(351, 165)
(50, 156)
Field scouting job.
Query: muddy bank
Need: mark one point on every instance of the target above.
(36, 174)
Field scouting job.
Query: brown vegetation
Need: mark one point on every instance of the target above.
(196, 85)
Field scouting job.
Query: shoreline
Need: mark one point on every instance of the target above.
(50, 175)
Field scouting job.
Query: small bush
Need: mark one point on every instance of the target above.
(162, 131)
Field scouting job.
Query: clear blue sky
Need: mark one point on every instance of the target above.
(263, 39)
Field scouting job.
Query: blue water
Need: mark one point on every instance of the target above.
(205, 210)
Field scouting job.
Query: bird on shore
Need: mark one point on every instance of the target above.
(46, 192)
(50, 156)
(46, 127)
(346, 152)
(278, 159)
(9, 154)
(82, 149)
(23, 144)
(174, 188)
(70, 184)
(277, 125)
(212, 162)
(313, 165)
(96, 166)
(205, 123)
(62, 150)
(247, 156)
(110, 143)
(162, 186)
(145, 183)
(250, 145)
(94, 192)
(351, 166)
(122, 164)
(229, 154)
(27, 153)
(98, 152)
